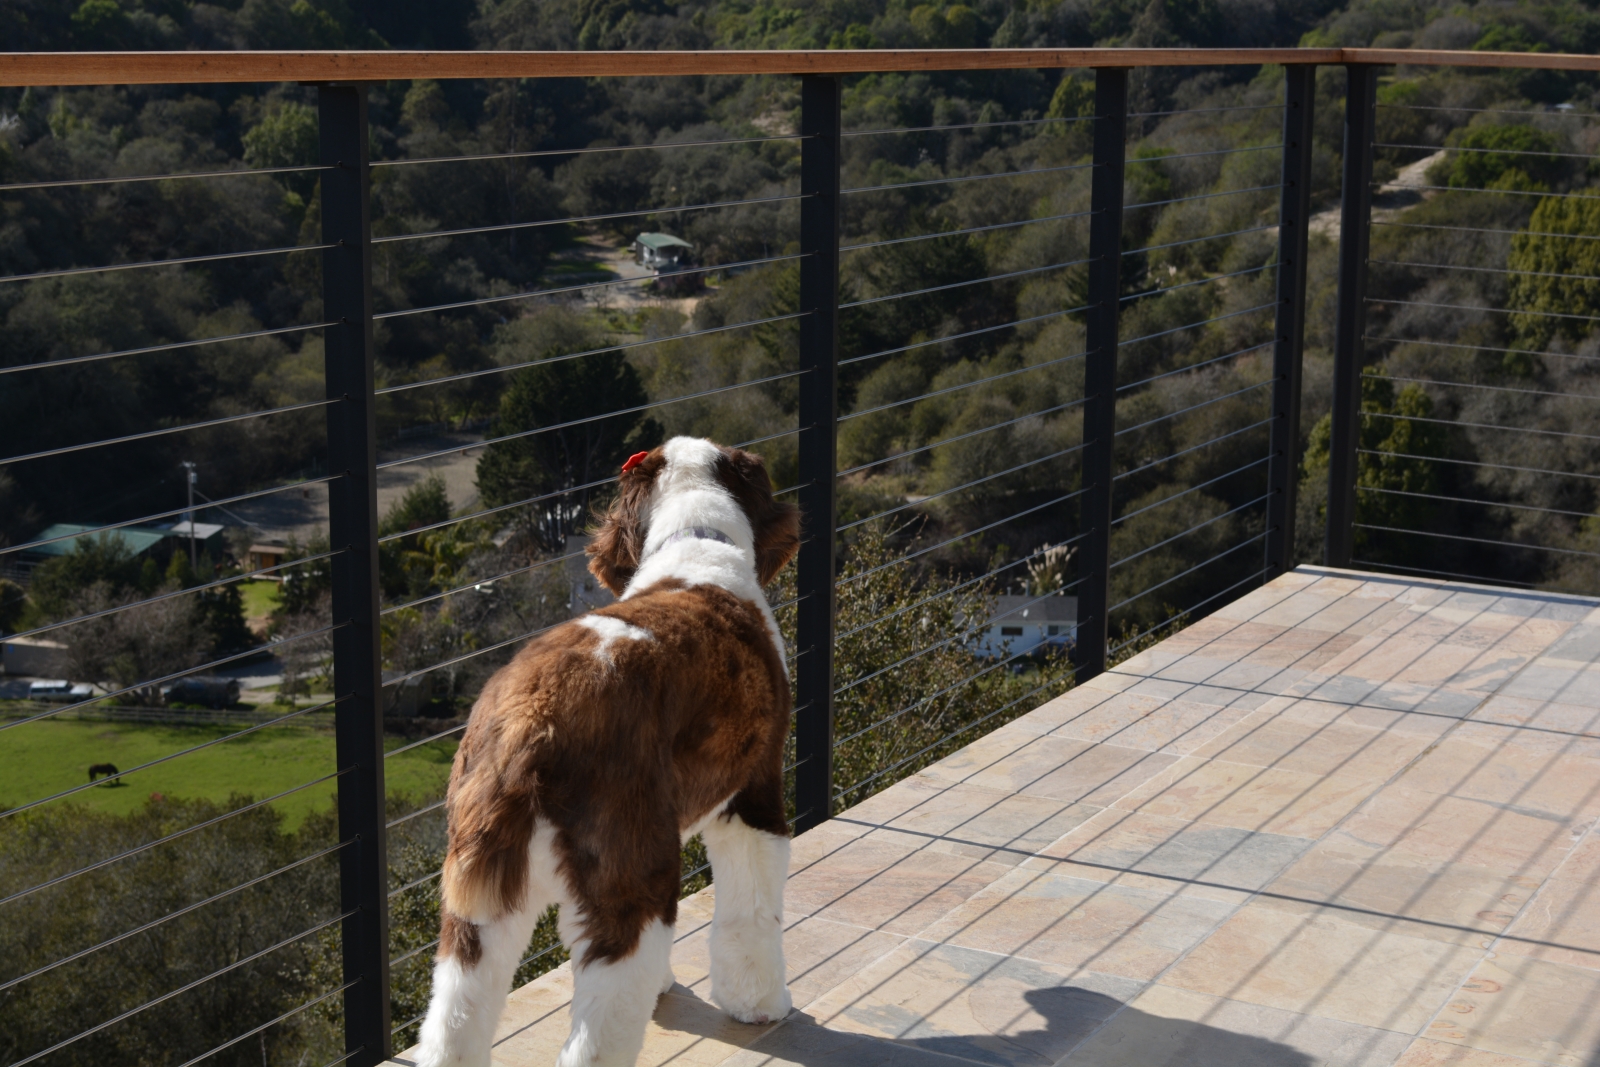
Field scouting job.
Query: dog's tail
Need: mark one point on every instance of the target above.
(493, 805)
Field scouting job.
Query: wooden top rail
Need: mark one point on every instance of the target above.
(131, 68)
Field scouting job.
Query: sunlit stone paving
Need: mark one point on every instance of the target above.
(1345, 820)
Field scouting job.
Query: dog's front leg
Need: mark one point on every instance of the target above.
(470, 981)
(748, 979)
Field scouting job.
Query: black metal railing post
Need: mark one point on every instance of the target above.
(820, 97)
(1100, 366)
(353, 531)
(1349, 348)
(1294, 218)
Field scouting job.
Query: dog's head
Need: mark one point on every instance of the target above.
(691, 465)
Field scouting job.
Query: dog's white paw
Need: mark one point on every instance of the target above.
(668, 981)
(768, 1009)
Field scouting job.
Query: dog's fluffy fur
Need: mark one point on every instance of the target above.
(607, 742)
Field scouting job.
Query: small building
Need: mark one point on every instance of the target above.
(207, 536)
(661, 251)
(33, 657)
(138, 540)
(260, 557)
(1023, 625)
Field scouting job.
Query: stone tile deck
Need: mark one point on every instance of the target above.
(1346, 820)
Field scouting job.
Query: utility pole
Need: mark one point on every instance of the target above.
(194, 559)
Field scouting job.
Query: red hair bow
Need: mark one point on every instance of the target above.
(634, 460)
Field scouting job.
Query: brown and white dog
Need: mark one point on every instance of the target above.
(609, 741)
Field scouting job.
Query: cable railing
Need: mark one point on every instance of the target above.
(1051, 426)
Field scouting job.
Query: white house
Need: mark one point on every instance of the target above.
(1027, 624)
(660, 251)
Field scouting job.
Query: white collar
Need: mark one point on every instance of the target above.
(704, 533)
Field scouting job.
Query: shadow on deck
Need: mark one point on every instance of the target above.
(1346, 820)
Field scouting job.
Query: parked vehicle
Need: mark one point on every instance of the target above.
(207, 690)
(58, 690)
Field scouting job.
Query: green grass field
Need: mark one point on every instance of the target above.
(43, 758)
(260, 598)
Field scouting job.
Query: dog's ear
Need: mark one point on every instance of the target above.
(618, 540)
(776, 525)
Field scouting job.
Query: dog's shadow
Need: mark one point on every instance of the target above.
(1071, 1015)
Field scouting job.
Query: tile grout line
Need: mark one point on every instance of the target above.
(1254, 895)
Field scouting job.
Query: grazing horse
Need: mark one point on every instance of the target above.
(107, 769)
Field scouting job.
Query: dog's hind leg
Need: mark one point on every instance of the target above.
(750, 866)
(474, 968)
(620, 932)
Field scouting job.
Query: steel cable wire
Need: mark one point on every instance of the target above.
(185, 910)
(259, 649)
(1469, 500)
(1185, 573)
(148, 845)
(1195, 407)
(1499, 151)
(1197, 526)
(1494, 192)
(313, 1002)
(1196, 366)
(130, 1013)
(159, 597)
(1204, 110)
(961, 437)
(1475, 385)
(1473, 463)
(1196, 240)
(895, 716)
(961, 537)
(1164, 290)
(177, 262)
(1444, 574)
(1481, 348)
(960, 488)
(592, 418)
(963, 233)
(1191, 448)
(1481, 540)
(593, 150)
(575, 220)
(964, 126)
(963, 178)
(63, 182)
(956, 588)
(424, 810)
(965, 385)
(958, 285)
(415, 882)
(142, 520)
(531, 293)
(1058, 591)
(947, 738)
(1487, 111)
(1197, 155)
(67, 361)
(1196, 325)
(1482, 229)
(509, 367)
(1483, 270)
(964, 336)
(1193, 488)
(207, 424)
(281, 719)
(1202, 196)
(1479, 425)
(1259, 576)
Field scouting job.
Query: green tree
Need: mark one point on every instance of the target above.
(1556, 261)
(1509, 157)
(563, 439)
